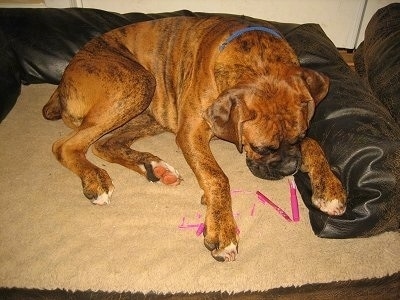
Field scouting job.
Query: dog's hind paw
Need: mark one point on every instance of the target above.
(161, 171)
(97, 186)
(104, 198)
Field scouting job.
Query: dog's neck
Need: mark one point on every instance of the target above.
(244, 56)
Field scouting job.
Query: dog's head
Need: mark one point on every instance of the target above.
(268, 118)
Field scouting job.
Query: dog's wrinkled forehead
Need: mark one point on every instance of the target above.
(281, 115)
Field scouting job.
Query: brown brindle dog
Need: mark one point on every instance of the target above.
(198, 78)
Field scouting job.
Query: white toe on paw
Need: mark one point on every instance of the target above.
(227, 254)
(104, 198)
(333, 207)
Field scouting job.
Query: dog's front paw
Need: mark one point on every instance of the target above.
(97, 186)
(330, 197)
(223, 254)
(333, 207)
(221, 239)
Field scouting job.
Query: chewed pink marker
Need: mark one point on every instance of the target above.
(294, 201)
(265, 200)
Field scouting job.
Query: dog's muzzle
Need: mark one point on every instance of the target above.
(276, 165)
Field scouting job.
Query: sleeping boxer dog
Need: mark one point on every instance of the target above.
(199, 78)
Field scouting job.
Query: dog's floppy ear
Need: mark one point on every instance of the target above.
(226, 116)
(317, 83)
(318, 86)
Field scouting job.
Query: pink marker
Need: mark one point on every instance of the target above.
(294, 201)
(265, 200)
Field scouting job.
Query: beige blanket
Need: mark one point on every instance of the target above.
(52, 237)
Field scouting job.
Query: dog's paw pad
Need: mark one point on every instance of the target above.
(332, 208)
(166, 173)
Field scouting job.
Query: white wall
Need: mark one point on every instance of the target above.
(340, 19)
(344, 21)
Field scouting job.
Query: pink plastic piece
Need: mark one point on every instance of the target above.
(200, 229)
(265, 200)
(294, 201)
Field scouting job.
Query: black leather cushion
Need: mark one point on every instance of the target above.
(359, 136)
(377, 59)
(361, 141)
(10, 82)
(39, 43)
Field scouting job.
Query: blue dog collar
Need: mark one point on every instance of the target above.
(247, 29)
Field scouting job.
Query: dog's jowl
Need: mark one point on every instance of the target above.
(199, 78)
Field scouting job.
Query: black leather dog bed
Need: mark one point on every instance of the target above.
(358, 134)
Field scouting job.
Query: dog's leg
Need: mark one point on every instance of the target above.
(116, 149)
(328, 193)
(70, 152)
(98, 96)
(220, 235)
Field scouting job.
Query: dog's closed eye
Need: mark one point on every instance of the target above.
(262, 150)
